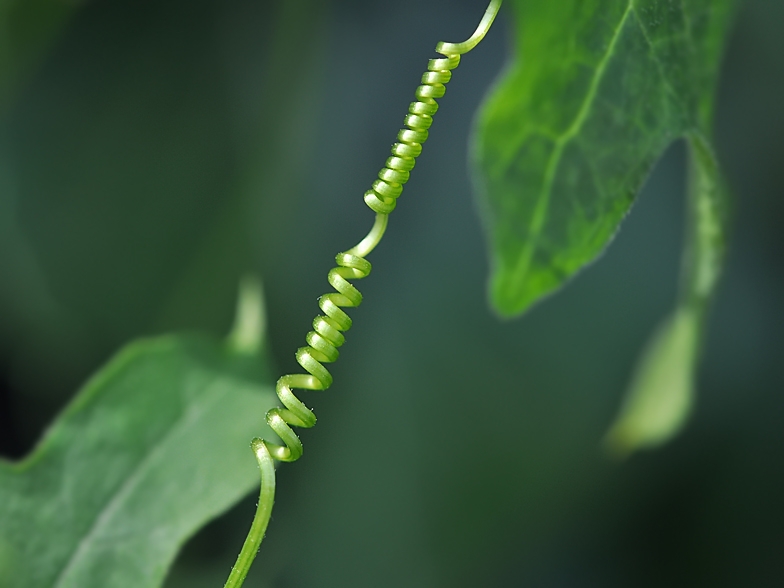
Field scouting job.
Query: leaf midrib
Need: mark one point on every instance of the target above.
(126, 487)
(540, 212)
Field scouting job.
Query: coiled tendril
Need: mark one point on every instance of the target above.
(327, 334)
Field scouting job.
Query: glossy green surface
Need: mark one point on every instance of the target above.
(596, 91)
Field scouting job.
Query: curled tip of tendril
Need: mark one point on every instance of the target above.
(479, 33)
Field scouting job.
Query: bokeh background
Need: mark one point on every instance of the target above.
(152, 152)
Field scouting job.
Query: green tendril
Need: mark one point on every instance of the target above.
(326, 336)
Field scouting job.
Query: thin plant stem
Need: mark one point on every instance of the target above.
(260, 520)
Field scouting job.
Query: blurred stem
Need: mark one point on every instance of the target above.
(661, 395)
(250, 321)
(706, 225)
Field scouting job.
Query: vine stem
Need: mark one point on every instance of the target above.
(326, 338)
(261, 519)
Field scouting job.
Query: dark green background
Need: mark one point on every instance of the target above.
(159, 149)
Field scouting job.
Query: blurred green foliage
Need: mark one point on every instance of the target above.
(162, 148)
(153, 447)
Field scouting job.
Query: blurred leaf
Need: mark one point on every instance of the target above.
(136, 168)
(153, 446)
(596, 92)
(662, 391)
(250, 322)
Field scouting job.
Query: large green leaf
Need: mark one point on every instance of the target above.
(154, 445)
(595, 93)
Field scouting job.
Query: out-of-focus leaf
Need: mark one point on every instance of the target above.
(662, 391)
(153, 446)
(136, 167)
(595, 93)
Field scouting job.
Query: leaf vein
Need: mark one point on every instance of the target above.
(657, 60)
(540, 211)
(127, 486)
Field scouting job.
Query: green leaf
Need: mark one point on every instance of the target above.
(152, 447)
(595, 93)
(662, 392)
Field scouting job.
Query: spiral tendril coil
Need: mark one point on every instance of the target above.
(327, 334)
